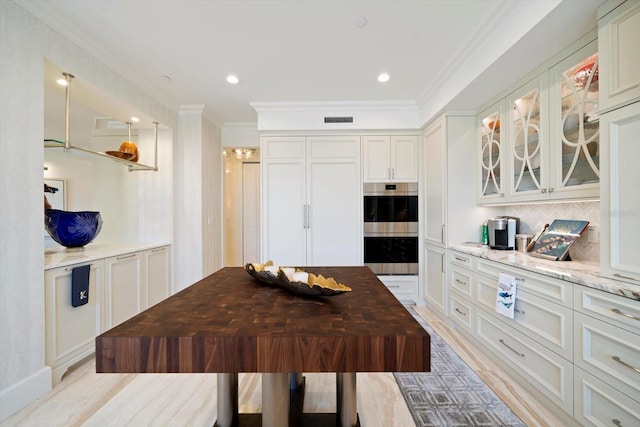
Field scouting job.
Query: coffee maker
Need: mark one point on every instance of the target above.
(502, 232)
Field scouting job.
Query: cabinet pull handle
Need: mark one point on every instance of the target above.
(393, 286)
(442, 234)
(464, 314)
(626, 277)
(623, 363)
(543, 190)
(126, 256)
(622, 313)
(518, 311)
(510, 348)
(158, 250)
(460, 259)
(461, 282)
(616, 422)
(551, 189)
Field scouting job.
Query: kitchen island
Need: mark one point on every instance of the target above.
(229, 323)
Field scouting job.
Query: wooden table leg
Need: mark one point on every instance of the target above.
(227, 400)
(346, 399)
(275, 399)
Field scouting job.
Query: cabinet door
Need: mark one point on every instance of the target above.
(528, 142)
(435, 183)
(575, 125)
(69, 330)
(619, 201)
(284, 207)
(490, 158)
(123, 288)
(334, 200)
(158, 275)
(434, 285)
(618, 39)
(404, 158)
(377, 158)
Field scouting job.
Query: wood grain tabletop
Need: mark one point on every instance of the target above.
(230, 322)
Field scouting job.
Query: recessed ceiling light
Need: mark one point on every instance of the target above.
(166, 78)
(360, 21)
(232, 79)
(383, 77)
(135, 119)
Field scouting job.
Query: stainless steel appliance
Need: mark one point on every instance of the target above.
(391, 228)
(502, 232)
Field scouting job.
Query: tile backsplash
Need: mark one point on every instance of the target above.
(534, 217)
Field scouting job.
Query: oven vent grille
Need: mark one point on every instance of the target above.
(338, 119)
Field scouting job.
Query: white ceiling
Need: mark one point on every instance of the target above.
(312, 50)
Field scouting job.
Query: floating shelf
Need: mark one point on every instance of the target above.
(67, 146)
(133, 166)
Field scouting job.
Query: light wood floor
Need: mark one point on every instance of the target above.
(85, 398)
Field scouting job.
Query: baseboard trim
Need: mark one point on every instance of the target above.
(24, 392)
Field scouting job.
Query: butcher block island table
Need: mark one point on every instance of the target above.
(229, 323)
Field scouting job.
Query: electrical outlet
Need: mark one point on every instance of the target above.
(593, 234)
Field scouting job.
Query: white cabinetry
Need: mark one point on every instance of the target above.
(577, 347)
(404, 288)
(618, 40)
(541, 142)
(311, 200)
(119, 288)
(70, 331)
(390, 158)
(538, 340)
(450, 212)
(619, 201)
(124, 288)
(157, 264)
(607, 359)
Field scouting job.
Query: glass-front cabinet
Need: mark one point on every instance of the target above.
(576, 125)
(528, 141)
(547, 144)
(490, 188)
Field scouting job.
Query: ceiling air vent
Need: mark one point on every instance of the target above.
(338, 119)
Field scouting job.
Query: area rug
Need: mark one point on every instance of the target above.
(451, 394)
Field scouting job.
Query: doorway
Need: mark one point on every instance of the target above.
(241, 206)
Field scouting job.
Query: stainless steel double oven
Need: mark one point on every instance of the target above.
(391, 228)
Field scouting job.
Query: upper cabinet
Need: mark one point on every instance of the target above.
(541, 142)
(490, 156)
(618, 40)
(390, 158)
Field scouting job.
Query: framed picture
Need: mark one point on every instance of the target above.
(57, 199)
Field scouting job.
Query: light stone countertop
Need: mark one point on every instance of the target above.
(63, 257)
(578, 272)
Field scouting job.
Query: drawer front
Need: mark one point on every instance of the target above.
(551, 374)
(462, 260)
(461, 311)
(548, 323)
(598, 404)
(403, 287)
(609, 353)
(546, 287)
(617, 310)
(462, 281)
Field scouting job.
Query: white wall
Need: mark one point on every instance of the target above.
(25, 42)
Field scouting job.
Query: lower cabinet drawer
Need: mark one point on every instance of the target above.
(462, 281)
(461, 311)
(548, 323)
(598, 404)
(609, 353)
(551, 374)
(403, 287)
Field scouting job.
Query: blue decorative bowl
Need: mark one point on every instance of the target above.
(72, 229)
